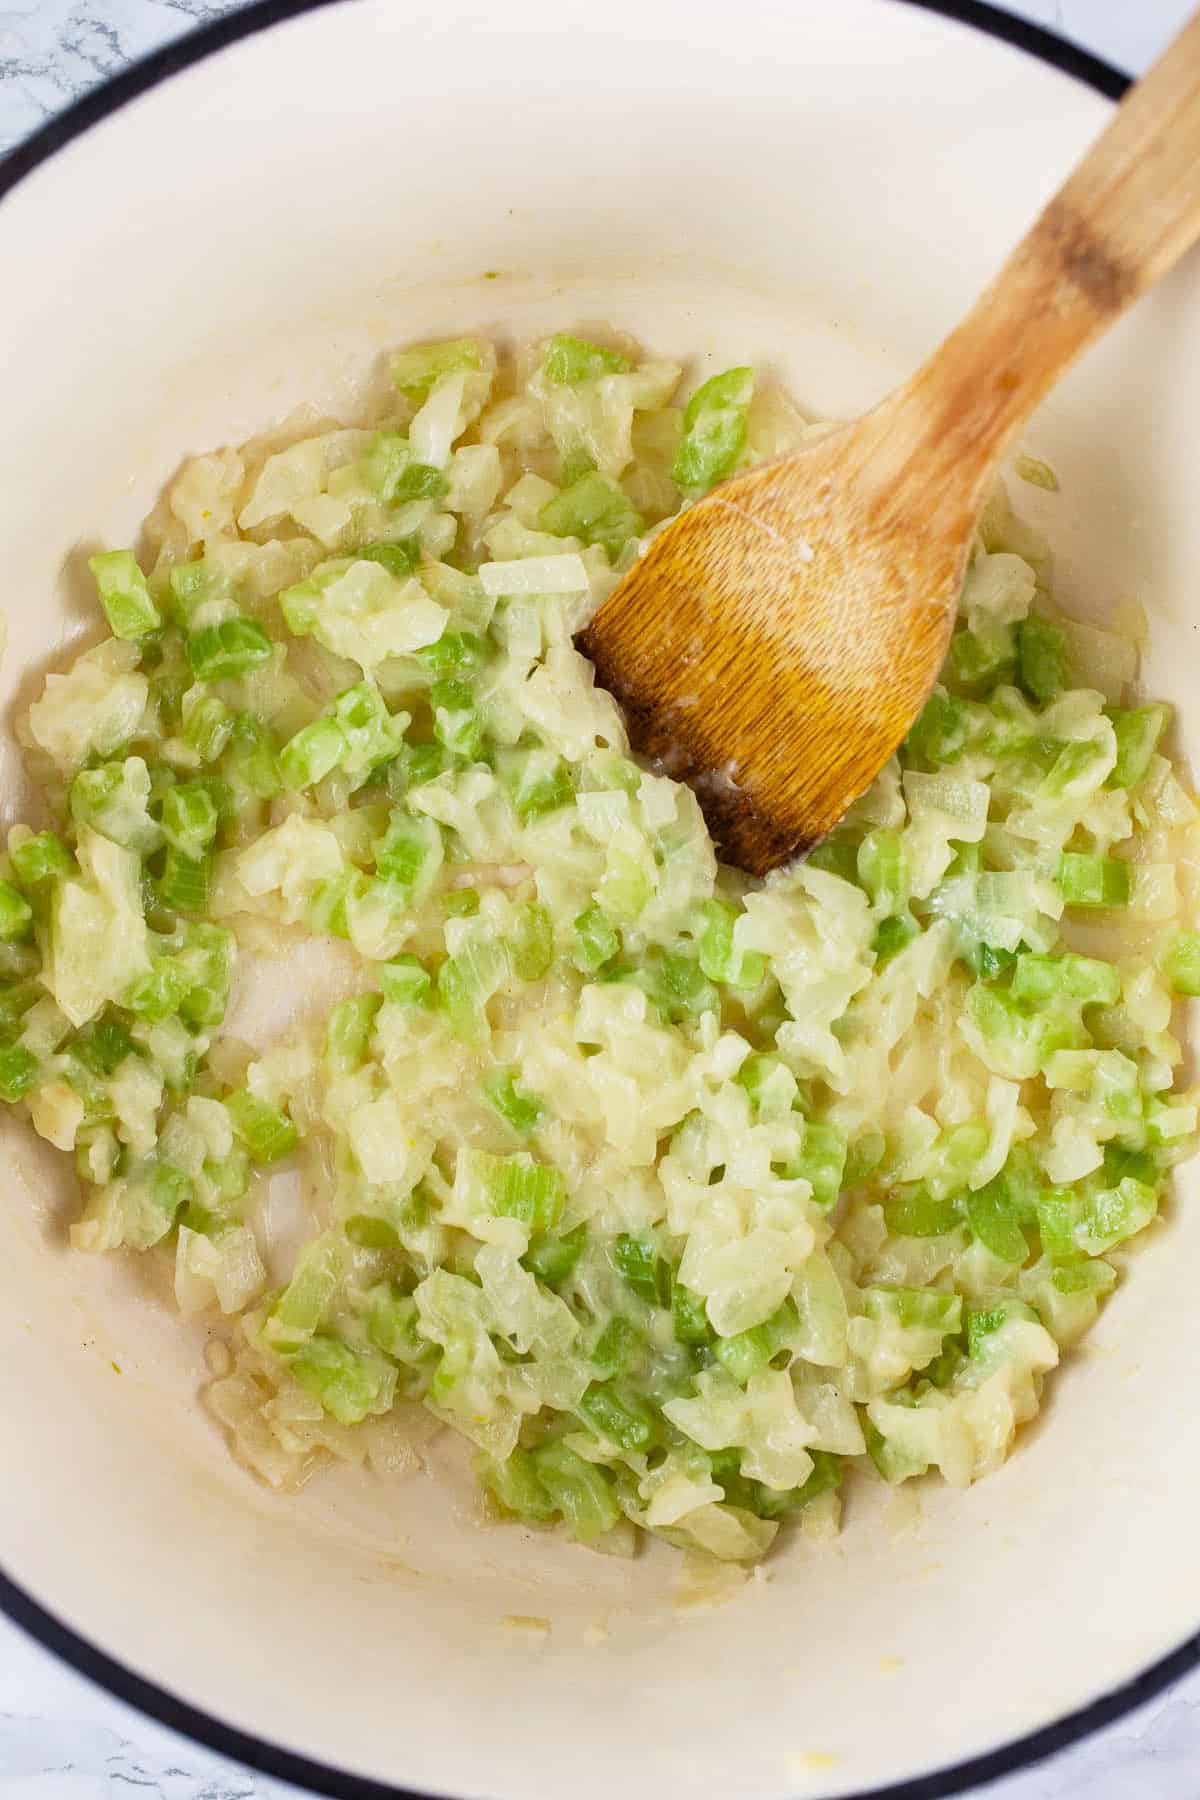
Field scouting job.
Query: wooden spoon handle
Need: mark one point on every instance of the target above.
(1127, 213)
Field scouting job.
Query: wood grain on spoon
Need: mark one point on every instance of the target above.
(777, 639)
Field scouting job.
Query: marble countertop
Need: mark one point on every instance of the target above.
(60, 1737)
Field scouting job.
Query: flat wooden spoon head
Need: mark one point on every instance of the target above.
(778, 639)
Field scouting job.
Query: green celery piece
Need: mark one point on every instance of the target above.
(391, 469)
(580, 1491)
(891, 936)
(18, 1072)
(252, 760)
(369, 1232)
(349, 1384)
(714, 430)
(209, 727)
(39, 859)
(537, 781)
(455, 653)
(189, 817)
(457, 724)
(571, 360)
(393, 1326)
(1037, 979)
(231, 648)
(532, 941)
(522, 1110)
(416, 370)
(405, 852)
(837, 855)
(399, 558)
(302, 1305)
(893, 1464)
(749, 1351)
(689, 1316)
(981, 662)
(985, 961)
(883, 870)
(597, 941)
(16, 914)
(573, 464)
(551, 1260)
(314, 752)
(103, 1045)
(527, 1191)
(1073, 761)
(621, 1416)
(595, 511)
(1041, 660)
(990, 1219)
(112, 799)
(926, 1308)
(185, 881)
(348, 1032)
(822, 1161)
(637, 1260)
(326, 912)
(515, 1487)
(983, 1321)
(720, 959)
(126, 600)
(1087, 880)
(618, 1348)
(919, 1214)
(1138, 731)
(1180, 962)
(1087, 1276)
(939, 735)
(266, 1131)
(459, 903)
(405, 981)
(782, 1503)
(863, 1157)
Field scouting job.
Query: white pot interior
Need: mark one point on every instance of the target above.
(818, 188)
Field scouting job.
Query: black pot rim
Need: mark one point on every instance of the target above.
(168, 1709)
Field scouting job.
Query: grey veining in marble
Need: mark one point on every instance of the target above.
(60, 1737)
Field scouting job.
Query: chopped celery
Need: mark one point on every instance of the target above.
(1087, 880)
(267, 1133)
(940, 733)
(689, 1317)
(1137, 733)
(621, 1416)
(597, 941)
(891, 935)
(518, 1108)
(18, 1072)
(526, 1191)
(551, 1259)
(16, 914)
(578, 1490)
(919, 1214)
(457, 724)
(822, 1161)
(311, 754)
(40, 858)
(883, 871)
(594, 510)
(1041, 978)
(184, 883)
(349, 1031)
(399, 558)
(406, 981)
(130, 611)
(1041, 660)
(638, 1261)
(1181, 962)
(749, 1351)
(714, 430)
(532, 941)
(720, 959)
(618, 1347)
(349, 1383)
(223, 651)
(415, 371)
(570, 360)
(189, 817)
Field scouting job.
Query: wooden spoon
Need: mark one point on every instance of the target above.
(779, 637)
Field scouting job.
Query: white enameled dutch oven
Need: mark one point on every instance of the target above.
(243, 223)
